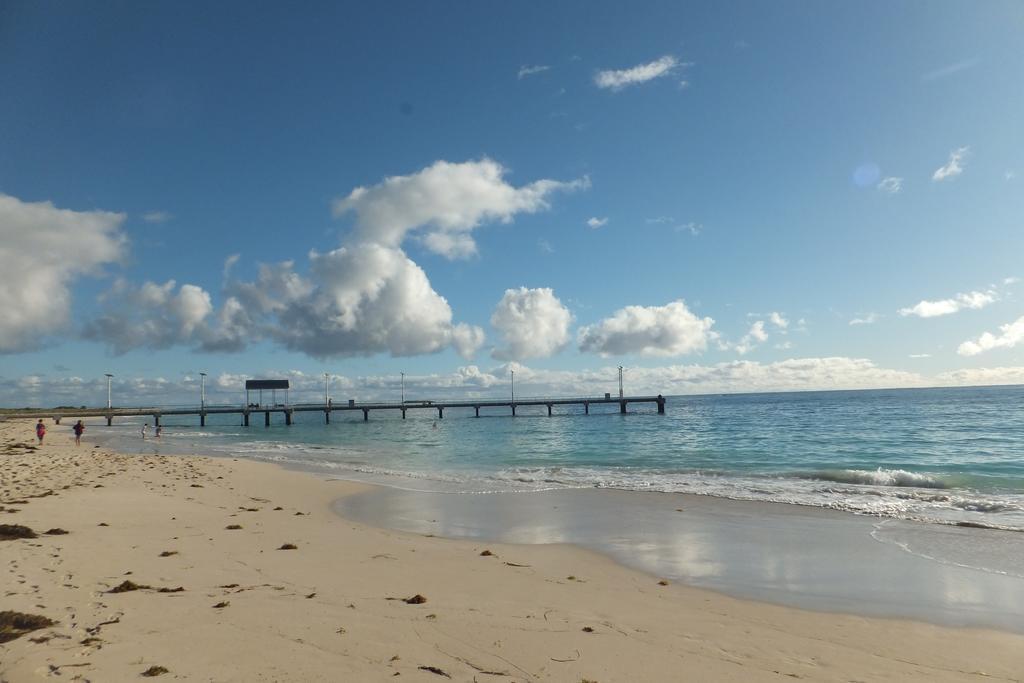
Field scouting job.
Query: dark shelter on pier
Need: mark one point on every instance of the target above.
(261, 385)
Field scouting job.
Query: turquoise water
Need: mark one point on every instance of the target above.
(952, 456)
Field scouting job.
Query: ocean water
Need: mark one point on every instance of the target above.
(946, 456)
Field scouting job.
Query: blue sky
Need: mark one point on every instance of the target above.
(826, 163)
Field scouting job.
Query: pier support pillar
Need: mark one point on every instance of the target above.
(245, 418)
(366, 415)
(56, 420)
(288, 417)
(477, 409)
(110, 420)
(266, 419)
(156, 420)
(327, 417)
(586, 407)
(549, 410)
(622, 407)
(513, 410)
(661, 404)
(202, 419)
(440, 413)
(403, 413)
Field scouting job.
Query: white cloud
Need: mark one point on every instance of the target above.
(152, 316)
(596, 222)
(1009, 336)
(932, 309)
(545, 246)
(891, 185)
(756, 335)
(1009, 175)
(670, 330)
(869, 319)
(467, 339)
(691, 227)
(229, 263)
(757, 331)
(920, 355)
(360, 300)
(972, 377)
(532, 323)
(617, 79)
(952, 167)
(951, 69)
(43, 249)
(448, 201)
(778, 320)
(156, 217)
(525, 71)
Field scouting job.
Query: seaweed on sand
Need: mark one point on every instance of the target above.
(10, 532)
(435, 670)
(127, 586)
(16, 624)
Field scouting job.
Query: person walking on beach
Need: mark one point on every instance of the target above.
(159, 431)
(145, 428)
(40, 431)
(79, 428)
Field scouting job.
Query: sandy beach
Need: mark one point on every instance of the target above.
(231, 570)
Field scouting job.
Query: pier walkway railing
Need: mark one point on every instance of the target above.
(289, 410)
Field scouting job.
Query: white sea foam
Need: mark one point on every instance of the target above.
(879, 477)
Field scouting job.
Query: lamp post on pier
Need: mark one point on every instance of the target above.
(620, 382)
(513, 385)
(108, 376)
(202, 390)
(327, 389)
(403, 387)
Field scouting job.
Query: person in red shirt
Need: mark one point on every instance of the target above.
(79, 428)
(40, 431)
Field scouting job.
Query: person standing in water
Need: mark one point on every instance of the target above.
(145, 428)
(159, 431)
(40, 431)
(79, 428)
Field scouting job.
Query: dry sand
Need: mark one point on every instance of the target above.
(332, 609)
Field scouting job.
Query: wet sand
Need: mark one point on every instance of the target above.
(806, 557)
(315, 597)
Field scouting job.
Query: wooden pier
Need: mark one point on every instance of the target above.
(247, 412)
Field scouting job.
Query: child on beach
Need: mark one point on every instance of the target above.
(40, 431)
(79, 428)
(145, 428)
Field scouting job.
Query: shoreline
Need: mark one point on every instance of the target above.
(322, 611)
